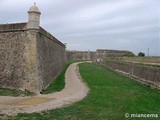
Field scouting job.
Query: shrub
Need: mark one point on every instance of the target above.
(141, 54)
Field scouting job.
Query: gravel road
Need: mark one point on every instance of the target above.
(75, 90)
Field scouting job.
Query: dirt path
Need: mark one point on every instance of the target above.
(74, 90)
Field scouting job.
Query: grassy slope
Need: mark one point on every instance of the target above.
(111, 96)
(14, 92)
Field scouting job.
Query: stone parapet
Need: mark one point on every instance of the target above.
(13, 27)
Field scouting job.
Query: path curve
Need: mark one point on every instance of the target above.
(75, 90)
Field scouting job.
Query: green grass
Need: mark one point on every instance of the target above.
(111, 96)
(14, 92)
(59, 82)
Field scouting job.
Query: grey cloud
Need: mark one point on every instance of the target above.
(88, 25)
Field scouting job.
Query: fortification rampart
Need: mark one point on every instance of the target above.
(29, 59)
(98, 55)
(155, 60)
(51, 57)
(12, 58)
(102, 54)
(49, 36)
(145, 74)
(13, 27)
(79, 55)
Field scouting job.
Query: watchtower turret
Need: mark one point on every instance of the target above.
(33, 17)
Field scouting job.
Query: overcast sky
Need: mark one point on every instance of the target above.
(92, 24)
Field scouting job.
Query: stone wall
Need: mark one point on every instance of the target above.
(102, 54)
(112, 53)
(139, 59)
(145, 74)
(13, 27)
(51, 57)
(12, 58)
(29, 59)
(98, 55)
(79, 55)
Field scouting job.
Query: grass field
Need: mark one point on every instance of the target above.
(111, 96)
(14, 92)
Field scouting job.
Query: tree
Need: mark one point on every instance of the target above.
(130, 54)
(141, 54)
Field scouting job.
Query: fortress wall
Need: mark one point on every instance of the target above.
(99, 55)
(102, 54)
(93, 56)
(29, 59)
(79, 55)
(18, 64)
(13, 27)
(51, 56)
(12, 59)
(145, 74)
(139, 59)
(112, 53)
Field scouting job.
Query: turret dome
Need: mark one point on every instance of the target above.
(34, 8)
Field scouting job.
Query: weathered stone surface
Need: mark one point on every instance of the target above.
(13, 27)
(139, 59)
(102, 54)
(79, 55)
(51, 57)
(98, 55)
(12, 59)
(29, 59)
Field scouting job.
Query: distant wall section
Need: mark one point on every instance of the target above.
(79, 55)
(102, 54)
(155, 60)
(98, 55)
